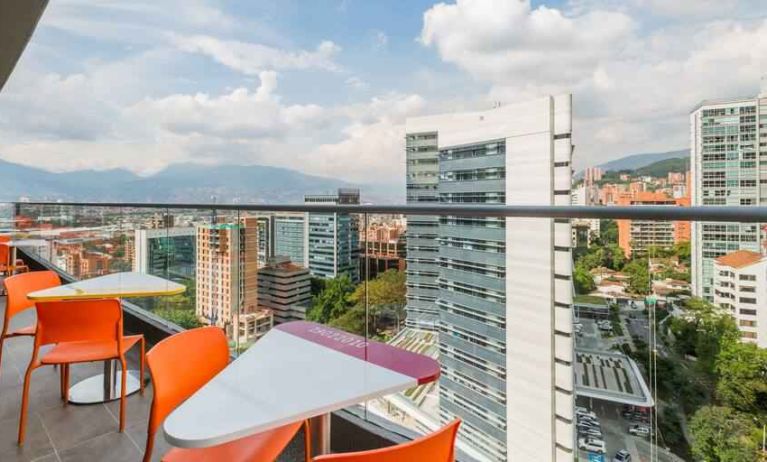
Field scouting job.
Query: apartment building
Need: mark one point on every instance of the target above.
(422, 180)
(285, 288)
(333, 238)
(728, 159)
(740, 286)
(503, 286)
(227, 276)
(636, 236)
(169, 253)
(383, 247)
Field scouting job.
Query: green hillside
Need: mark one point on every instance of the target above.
(663, 167)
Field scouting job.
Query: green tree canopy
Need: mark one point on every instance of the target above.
(721, 434)
(332, 301)
(703, 331)
(582, 280)
(639, 276)
(183, 318)
(742, 371)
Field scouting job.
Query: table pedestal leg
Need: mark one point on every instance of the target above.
(104, 387)
(320, 428)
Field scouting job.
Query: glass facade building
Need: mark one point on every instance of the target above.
(333, 238)
(728, 165)
(422, 172)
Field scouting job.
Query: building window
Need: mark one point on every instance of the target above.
(747, 277)
(746, 323)
(747, 312)
(750, 301)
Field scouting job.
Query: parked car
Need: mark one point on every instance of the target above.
(640, 430)
(590, 431)
(588, 421)
(592, 444)
(586, 415)
(622, 456)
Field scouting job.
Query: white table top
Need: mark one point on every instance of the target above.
(296, 371)
(122, 285)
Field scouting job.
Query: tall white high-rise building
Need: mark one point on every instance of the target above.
(503, 289)
(728, 156)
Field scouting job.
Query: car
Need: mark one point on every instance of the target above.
(622, 456)
(585, 417)
(589, 431)
(583, 412)
(592, 444)
(588, 421)
(640, 430)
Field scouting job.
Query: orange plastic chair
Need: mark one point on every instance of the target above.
(5, 259)
(436, 447)
(175, 379)
(17, 287)
(82, 331)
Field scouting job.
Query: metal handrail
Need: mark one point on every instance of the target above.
(743, 214)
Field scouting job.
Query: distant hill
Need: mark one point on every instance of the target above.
(179, 183)
(636, 161)
(663, 167)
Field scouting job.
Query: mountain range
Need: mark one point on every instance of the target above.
(194, 183)
(636, 161)
(178, 183)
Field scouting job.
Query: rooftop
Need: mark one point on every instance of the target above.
(739, 259)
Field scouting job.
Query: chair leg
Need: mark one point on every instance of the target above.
(123, 387)
(65, 368)
(148, 446)
(2, 343)
(141, 361)
(25, 402)
(307, 442)
(61, 381)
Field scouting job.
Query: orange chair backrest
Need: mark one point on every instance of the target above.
(5, 252)
(78, 321)
(20, 285)
(180, 365)
(435, 447)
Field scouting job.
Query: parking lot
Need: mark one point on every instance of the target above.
(614, 426)
(615, 434)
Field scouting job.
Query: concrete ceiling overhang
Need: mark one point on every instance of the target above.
(18, 20)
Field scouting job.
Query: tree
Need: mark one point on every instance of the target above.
(332, 301)
(582, 280)
(639, 276)
(183, 318)
(721, 434)
(742, 371)
(608, 231)
(353, 320)
(384, 302)
(682, 250)
(703, 331)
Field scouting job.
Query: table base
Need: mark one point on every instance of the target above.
(93, 390)
(320, 430)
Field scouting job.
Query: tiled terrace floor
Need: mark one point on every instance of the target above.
(71, 433)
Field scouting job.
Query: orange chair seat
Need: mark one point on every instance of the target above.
(78, 352)
(266, 446)
(29, 330)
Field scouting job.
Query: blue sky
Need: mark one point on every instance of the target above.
(325, 86)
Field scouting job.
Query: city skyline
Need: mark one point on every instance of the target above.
(245, 80)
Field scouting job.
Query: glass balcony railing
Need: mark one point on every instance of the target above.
(559, 333)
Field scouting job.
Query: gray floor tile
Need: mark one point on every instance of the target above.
(36, 444)
(111, 447)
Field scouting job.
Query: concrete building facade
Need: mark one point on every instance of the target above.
(740, 286)
(504, 296)
(333, 238)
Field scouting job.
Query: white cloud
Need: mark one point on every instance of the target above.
(252, 58)
(633, 86)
